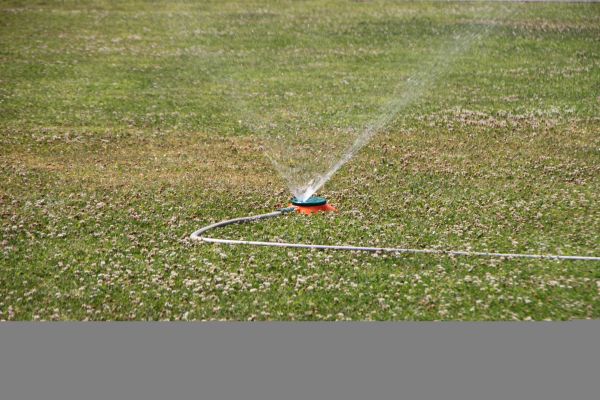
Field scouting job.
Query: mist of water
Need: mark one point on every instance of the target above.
(414, 89)
(307, 154)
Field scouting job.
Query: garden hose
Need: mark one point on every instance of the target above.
(198, 236)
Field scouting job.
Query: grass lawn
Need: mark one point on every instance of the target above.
(120, 135)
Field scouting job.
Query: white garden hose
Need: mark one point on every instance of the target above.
(198, 235)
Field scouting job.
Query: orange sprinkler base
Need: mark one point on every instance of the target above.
(308, 210)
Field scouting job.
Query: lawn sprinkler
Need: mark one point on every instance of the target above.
(313, 204)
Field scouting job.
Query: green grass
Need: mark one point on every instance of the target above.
(120, 135)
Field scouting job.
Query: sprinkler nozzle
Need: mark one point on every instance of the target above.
(314, 204)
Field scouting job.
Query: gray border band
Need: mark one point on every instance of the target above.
(299, 360)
